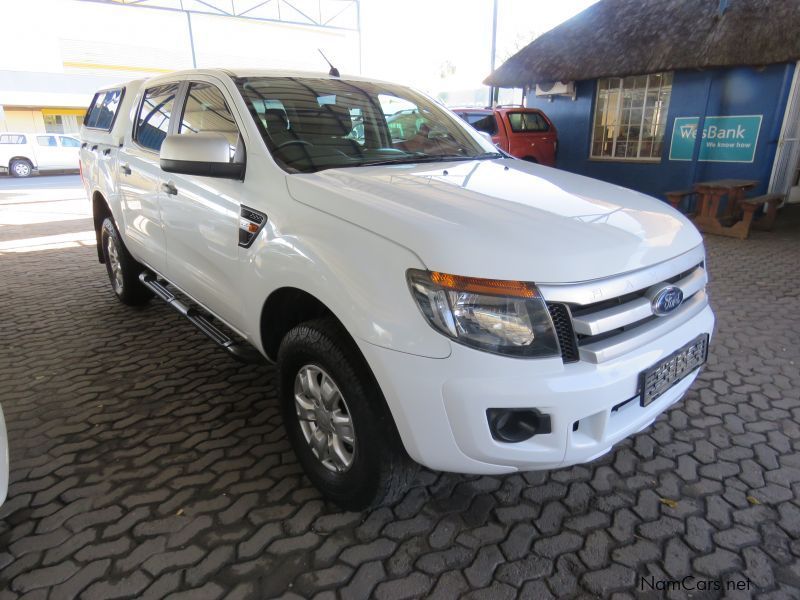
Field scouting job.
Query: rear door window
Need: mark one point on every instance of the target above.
(152, 122)
(483, 122)
(13, 138)
(103, 110)
(46, 140)
(527, 122)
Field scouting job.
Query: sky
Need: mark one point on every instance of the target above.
(439, 46)
(445, 45)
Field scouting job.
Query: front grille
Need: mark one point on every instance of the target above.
(566, 335)
(601, 330)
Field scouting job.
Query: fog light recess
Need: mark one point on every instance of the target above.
(513, 425)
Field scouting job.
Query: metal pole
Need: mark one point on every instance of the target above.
(358, 21)
(493, 91)
(191, 39)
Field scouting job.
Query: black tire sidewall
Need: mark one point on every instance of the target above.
(355, 488)
(134, 293)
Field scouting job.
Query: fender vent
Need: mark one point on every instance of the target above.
(562, 321)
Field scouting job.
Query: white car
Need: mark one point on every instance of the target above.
(23, 154)
(423, 295)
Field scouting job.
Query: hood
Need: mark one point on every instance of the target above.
(503, 219)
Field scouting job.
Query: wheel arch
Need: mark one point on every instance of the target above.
(27, 159)
(285, 308)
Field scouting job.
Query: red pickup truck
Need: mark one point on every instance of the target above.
(526, 133)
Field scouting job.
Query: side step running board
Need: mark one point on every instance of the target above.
(241, 352)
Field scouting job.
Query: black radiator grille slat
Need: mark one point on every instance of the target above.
(566, 335)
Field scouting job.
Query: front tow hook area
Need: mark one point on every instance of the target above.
(513, 425)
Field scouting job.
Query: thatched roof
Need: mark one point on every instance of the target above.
(632, 37)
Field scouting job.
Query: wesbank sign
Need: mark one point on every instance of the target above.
(724, 139)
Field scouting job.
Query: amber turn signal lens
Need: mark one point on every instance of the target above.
(516, 289)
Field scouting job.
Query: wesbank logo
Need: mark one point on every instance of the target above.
(689, 131)
(724, 139)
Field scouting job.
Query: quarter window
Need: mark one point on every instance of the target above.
(630, 116)
(207, 112)
(103, 109)
(152, 122)
(13, 138)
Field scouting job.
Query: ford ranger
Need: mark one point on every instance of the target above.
(426, 299)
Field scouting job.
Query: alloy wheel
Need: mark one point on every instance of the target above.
(324, 418)
(114, 263)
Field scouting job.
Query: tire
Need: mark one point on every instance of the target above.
(379, 471)
(21, 167)
(123, 270)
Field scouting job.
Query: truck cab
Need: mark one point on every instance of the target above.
(526, 133)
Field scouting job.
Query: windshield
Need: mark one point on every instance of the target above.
(313, 124)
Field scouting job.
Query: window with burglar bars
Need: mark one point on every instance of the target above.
(630, 117)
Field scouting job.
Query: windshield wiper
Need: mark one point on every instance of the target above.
(429, 158)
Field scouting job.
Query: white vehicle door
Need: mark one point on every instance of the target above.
(201, 214)
(48, 155)
(140, 176)
(69, 151)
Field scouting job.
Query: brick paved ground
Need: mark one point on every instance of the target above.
(146, 463)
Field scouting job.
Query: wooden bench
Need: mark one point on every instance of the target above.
(750, 205)
(675, 198)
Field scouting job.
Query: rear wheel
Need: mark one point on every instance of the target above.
(21, 167)
(123, 270)
(337, 419)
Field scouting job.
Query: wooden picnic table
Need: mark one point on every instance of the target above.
(737, 214)
(710, 194)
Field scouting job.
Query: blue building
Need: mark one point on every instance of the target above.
(656, 95)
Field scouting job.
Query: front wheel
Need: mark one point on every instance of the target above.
(337, 419)
(123, 270)
(21, 167)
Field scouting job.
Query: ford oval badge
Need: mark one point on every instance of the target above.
(666, 300)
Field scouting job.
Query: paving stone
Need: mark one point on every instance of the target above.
(364, 581)
(412, 586)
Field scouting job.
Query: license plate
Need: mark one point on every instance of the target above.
(659, 378)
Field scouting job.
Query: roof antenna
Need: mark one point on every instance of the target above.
(334, 72)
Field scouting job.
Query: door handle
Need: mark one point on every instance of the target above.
(93, 148)
(107, 151)
(169, 188)
(126, 170)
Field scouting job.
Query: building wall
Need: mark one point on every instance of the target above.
(738, 91)
(27, 121)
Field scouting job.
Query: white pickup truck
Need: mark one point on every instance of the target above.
(424, 296)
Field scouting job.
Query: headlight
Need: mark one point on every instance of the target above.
(504, 317)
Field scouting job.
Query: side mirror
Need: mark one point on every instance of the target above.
(486, 136)
(205, 154)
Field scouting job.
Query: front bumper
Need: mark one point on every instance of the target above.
(439, 405)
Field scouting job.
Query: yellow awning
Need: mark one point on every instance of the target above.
(78, 112)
